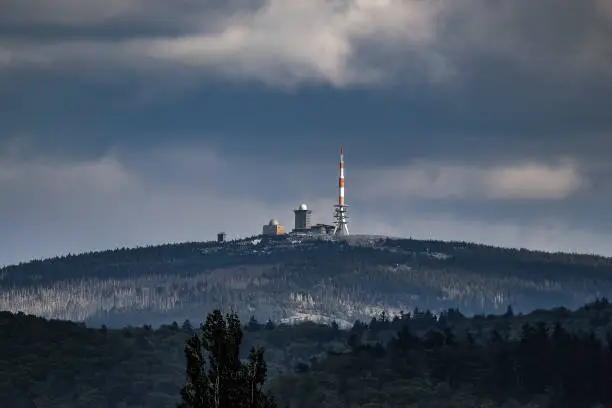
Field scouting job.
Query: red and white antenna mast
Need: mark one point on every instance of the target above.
(340, 216)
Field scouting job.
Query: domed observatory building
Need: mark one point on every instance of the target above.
(302, 218)
(273, 228)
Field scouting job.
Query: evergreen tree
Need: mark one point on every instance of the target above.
(253, 325)
(216, 377)
(509, 311)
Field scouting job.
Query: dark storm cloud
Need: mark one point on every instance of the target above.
(516, 70)
(377, 128)
(428, 41)
(62, 19)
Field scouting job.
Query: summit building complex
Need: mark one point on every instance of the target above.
(302, 214)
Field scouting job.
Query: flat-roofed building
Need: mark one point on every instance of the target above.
(322, 229)
(273, 228)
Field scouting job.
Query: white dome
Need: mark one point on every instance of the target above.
(273, 222)
(303, 207)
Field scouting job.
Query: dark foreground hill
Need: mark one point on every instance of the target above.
(555, 358)
(288, 279)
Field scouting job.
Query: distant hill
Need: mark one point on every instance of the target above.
(290, 279)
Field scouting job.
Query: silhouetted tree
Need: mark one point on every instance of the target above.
(270, 325)
(215, 375)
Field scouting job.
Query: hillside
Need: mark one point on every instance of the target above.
(288, 279)
(50, 363)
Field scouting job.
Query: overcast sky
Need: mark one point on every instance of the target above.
(134, 122)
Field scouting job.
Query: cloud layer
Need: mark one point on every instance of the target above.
(430, 180)
(290, 42)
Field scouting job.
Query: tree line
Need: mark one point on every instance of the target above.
(549, 358)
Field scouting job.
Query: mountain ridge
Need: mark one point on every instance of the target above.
(290, 278)
(354, 237)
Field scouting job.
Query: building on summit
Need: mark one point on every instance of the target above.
(303, 223)
(273, 228)
(302, 218)
(323, 229)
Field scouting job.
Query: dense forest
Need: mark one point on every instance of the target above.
(292, 278)
(548, 358)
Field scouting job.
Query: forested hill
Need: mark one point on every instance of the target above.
(290, 278)
(556, 358)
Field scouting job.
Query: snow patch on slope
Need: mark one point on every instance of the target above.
(300, 317)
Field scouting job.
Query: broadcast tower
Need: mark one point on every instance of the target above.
(341, 223)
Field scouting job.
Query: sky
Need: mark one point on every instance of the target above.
(138, 122)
